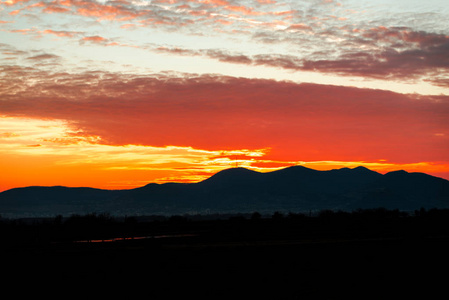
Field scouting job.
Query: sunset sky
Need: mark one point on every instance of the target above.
(118, 94)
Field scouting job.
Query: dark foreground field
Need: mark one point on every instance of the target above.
(371, 254)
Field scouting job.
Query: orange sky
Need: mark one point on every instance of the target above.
(187, 128)
(118, 94)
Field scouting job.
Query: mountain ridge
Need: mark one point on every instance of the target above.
(236, 190)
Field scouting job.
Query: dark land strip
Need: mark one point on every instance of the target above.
(376, 254)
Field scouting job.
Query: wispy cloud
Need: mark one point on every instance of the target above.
(409, 55)
(9, 51)
(45, 56)
(61, 33)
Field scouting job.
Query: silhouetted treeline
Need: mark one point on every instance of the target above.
(361, 224)
(322, 255)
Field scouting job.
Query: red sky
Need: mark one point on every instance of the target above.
(157, 91)
(289, 123)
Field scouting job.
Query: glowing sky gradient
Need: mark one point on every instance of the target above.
(117, 94)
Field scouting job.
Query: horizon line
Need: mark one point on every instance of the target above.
(223, 170)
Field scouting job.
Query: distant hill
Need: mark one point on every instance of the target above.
(239, 190)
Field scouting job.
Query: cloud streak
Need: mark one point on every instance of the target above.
(418, 55)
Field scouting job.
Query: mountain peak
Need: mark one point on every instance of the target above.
(295, 169)
(238, 173)
(235, 171)
(397, 173)
(356, 170)
(362, 168)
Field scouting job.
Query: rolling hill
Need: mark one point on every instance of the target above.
(239, 190)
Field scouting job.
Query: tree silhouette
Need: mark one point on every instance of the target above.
(256, 216)
(277, 216)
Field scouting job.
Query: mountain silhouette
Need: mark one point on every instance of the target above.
(239, 190)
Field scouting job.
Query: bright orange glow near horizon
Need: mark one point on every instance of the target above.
(48, 153)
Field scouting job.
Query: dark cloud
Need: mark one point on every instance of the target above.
(45, 56)
(10, 51)
(404, 55)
